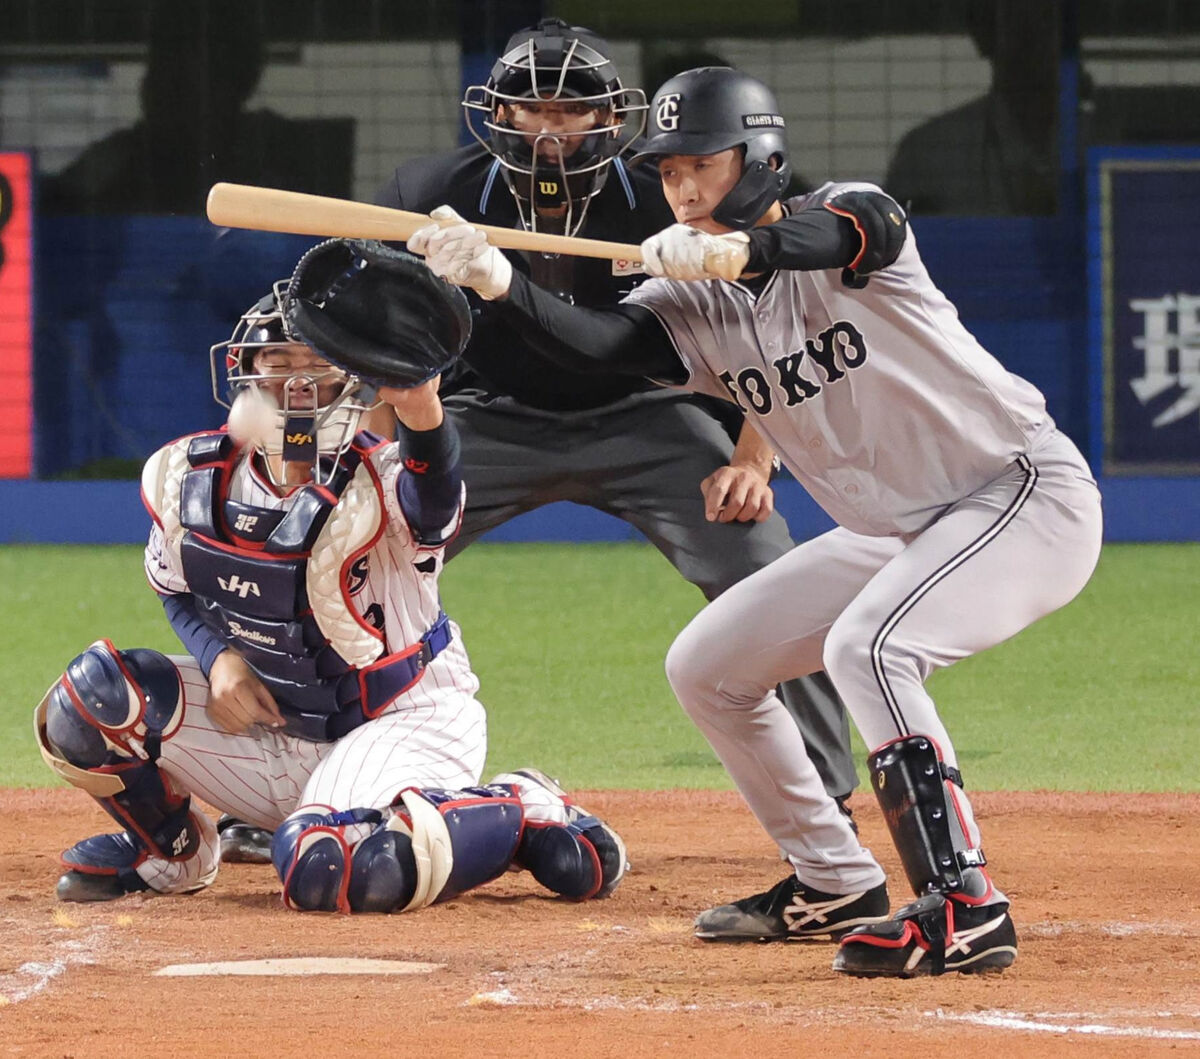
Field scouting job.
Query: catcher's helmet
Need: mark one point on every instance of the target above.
(555, 62)
(290, 420)
(712, 109)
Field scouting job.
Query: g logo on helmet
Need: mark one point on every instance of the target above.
(666, 117)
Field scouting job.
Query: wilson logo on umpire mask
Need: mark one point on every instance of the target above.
(666, 117)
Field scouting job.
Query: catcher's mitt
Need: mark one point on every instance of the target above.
(376, 312)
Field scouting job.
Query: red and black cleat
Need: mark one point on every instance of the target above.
(936, 934)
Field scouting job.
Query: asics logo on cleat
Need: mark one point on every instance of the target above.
(803, 915)
(961, 941)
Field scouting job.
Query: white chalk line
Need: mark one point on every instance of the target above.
(1062, 1023)
(1112, 930)
(298, 965)
(34, 976)
(1036, 1023)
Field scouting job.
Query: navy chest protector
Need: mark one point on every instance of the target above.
(246, 567)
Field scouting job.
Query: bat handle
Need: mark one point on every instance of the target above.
(728, 264)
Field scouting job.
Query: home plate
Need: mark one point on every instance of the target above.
(298, 966)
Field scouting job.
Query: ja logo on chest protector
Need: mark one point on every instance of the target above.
(836, 350)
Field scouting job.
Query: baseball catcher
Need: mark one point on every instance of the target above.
(324, 694)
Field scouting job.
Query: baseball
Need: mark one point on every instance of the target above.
(252, 418)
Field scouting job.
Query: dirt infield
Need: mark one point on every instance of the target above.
(1105, 897)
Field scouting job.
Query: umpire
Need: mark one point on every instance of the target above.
(552, 122)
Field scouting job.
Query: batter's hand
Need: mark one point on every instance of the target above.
(461, 254)
(683, 252)
(737, 494)
(237, 699)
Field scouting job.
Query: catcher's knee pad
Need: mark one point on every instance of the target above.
(101, 728)
(917, 793)
(313, 854)
(565, 848)
(432, 846)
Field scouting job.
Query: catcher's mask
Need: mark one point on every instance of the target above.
(305, 414)
(555, 63)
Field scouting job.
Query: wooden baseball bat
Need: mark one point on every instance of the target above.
(273, 210)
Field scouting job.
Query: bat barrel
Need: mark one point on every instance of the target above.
(275, 210)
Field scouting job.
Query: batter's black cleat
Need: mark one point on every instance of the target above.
(101, 868)
(935, 934)
(792, 911)
(243, 843)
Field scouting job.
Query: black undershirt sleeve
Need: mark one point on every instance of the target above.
(628, 339)
(807, 241)
(430, 489)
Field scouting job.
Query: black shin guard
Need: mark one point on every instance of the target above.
(912, 784)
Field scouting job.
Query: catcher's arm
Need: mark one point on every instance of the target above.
(430, 491)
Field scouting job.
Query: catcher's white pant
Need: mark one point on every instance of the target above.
(879, 614)
(263, 776)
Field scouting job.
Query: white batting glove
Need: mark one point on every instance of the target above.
(457, 252)
(683, 252)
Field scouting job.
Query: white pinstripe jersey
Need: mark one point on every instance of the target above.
(878, 400)
(396, 581)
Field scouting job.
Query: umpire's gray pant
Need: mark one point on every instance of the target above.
(641, 459)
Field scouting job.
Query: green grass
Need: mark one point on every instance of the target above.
(568, 641)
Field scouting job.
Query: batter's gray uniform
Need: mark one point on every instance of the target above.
(534, 432)
(964, 516)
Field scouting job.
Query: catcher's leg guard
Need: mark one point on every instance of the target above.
(431, 846)
(565, 848)
(101, 868)
(960, 921)
(101, 727)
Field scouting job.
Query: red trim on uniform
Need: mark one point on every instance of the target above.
(354, 556)
(343, 900)
(416, 466)
(366, 442)
(857, 227)
(369, 714)
(154, 517)
(583, 844)
(116, 734)
(129, 679)
(282, 557)
(459, 802)
(243, 542)
(131, 825)
(93, 869)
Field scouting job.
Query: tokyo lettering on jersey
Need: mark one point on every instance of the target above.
(878, 400)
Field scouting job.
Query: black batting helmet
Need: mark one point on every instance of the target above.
(713, 109)
(555, 62)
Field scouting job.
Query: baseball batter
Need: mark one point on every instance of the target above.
(324, 694)
(964, 514)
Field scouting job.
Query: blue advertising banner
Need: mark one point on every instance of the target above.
(1145, 279)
